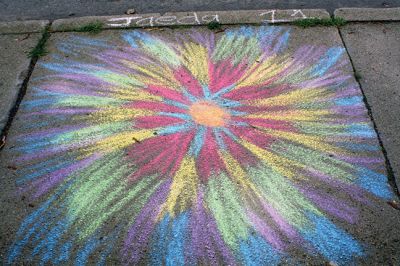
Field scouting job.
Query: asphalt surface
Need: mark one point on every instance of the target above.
(54, 9)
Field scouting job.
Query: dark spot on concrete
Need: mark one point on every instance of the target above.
(394, 204)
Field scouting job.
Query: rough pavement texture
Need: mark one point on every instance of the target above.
(375, 51)
(368, 14)
(46, 9)
(14, 66)
(28, 26)
(190, 18)
(179, 146)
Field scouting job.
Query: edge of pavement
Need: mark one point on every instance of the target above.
(177, 19)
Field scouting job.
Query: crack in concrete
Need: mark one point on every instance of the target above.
(21, 93)
(389, 169)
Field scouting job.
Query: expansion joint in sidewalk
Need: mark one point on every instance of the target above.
(22, 90)
(389, 169)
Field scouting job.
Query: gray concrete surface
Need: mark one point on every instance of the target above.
(62, 202)
(14, 66)
(368, 14)
(28, 26)
(190, 18)
(375, 51)
(52, 9)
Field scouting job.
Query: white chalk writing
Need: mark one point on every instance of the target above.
(193, 19)
(271, 16)
(265, 16)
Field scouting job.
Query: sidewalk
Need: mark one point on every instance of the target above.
(170, 139)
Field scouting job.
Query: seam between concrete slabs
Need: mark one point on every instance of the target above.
(369, 14)
(21, 91)
(14, 27)
(389, 169)
(176, 19)
(20, 33)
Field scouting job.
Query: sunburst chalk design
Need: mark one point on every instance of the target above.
(199, 150)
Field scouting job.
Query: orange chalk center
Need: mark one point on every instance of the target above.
(208, 114)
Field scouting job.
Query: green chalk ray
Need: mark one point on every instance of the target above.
(282, 195)
(90, 184)
(102, 190)
(320, 129)
(113, 203)
(228, 213)
(317, 160)
(102, 130)
(122, 80)
(87, 101)
(220, 48)
(248, 49)
(322, 105)
(298, 76)
(162, 51)
(250, 52)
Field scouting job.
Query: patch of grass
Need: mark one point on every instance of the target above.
(214, 25)
(313, 22)
(92, 27)
(40, 48)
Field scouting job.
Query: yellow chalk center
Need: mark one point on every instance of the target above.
(208, 114)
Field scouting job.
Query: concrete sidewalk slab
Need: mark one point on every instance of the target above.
(14, 67)
(368, 14)
(269, 16)
(375, 51)
(29, 26)
(191, 146)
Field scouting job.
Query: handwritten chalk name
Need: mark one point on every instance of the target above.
(162, 20)
(269, 16)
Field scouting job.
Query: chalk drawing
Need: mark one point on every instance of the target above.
(142, 21)
(269, 16)
(195, 148)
